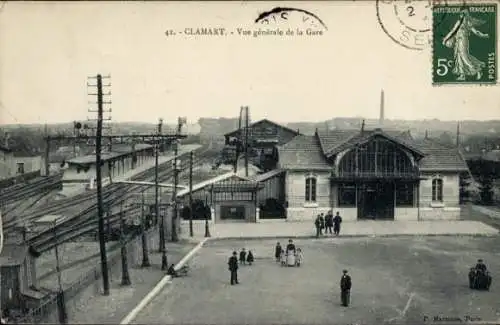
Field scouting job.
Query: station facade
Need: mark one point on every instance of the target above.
(370, 174)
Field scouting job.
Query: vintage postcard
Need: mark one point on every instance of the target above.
(255, 162)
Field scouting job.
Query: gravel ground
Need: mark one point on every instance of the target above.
(395, 280)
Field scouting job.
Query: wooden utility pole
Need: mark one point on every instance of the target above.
(145, 253)
(163, 250)
(174, 195)
(47, 151)
(100, 205)
(61, 302)
(247, 116)
(191, 154)
(123, 239)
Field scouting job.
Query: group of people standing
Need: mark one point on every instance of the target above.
(233, 263)
(327, 223)
(292, 256)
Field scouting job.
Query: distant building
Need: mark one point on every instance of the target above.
(18, 163)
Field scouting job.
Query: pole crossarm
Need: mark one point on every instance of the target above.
(144, 183)
(116, 136)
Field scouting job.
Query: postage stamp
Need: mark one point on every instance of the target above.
(465, 44)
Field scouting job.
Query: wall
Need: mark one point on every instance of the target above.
(449, 208)
(295, 186)
(274, 187)
(31, 164)
(249, 210)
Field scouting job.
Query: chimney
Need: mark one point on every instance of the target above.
(363, 126)
(381, 117)
(6, 140)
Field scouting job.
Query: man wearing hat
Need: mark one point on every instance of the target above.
(233, 268)
(345, 288)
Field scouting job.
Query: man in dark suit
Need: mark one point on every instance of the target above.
(233, 268)
(345, 288)
(336, 224)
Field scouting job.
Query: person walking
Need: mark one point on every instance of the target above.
(233, 268)
(336, 223)
(345, 288)
(329, 222)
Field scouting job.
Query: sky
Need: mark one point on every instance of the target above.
(47, 51)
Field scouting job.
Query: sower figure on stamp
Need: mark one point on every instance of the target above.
(465, 64)
(345, 288)
(233, 268)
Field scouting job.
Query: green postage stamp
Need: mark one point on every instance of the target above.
(464, 44)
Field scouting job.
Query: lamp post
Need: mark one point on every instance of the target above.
(207, 212)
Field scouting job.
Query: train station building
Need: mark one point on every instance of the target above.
(370, 174)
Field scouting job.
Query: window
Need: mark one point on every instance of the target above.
(346, 195)
(437, 190)
(20, 168)
(311, 189)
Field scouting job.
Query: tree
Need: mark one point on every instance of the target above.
(485, 172)
(465, 181)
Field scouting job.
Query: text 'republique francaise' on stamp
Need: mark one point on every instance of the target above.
(465, 44)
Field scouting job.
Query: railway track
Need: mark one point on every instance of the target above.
(84, 221)
(17, 193)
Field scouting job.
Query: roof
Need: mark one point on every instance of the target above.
(115, 153)
(493, 155)
(308, 152)
(211, 181)
(440, 157)
(332, 143)
(264, 121)
(265, 176)
(302, 152)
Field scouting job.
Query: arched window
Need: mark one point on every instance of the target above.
(311, 189)
(437, 190)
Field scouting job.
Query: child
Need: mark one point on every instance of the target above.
(250, 258)
(243, 256)
(299, 257)
(283, 258)
(277, 252)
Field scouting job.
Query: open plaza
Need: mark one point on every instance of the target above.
(398, 280)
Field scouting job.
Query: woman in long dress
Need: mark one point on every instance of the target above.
(465, 64)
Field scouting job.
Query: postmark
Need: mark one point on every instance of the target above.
(465, 44)
(409, 22)
(280, 15)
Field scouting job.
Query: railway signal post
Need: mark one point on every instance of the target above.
(191, 154)
(123, 239)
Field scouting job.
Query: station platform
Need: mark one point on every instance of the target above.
(161, 160)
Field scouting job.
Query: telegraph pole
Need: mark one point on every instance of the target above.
(191, 154)
(246, 140)
(100, 205)
(123, 239)
(174, 194)
(163, 250)
(63, 316)
(145, 255)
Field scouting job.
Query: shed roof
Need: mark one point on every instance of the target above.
(232, 133)
(115, 153)
(217, 179)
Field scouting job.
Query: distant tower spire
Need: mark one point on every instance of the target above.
(363, 126)
(381, 117)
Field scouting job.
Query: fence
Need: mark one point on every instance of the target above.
(48, 306)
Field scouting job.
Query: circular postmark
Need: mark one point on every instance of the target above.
(408, 23)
